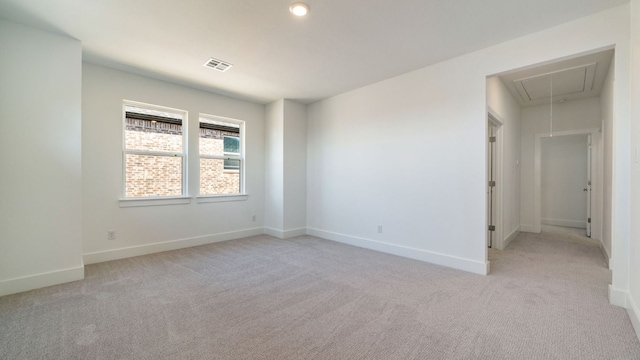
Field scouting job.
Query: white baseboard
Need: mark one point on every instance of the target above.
(565, 223)
(607, 259)
(611, 263)
(285, 234)
(274, 232)
(617, 297)
(291, 233)
(477, 267)
(123, 253)
(529, 229)
(514, 234)
(634, 314)
(36, 281)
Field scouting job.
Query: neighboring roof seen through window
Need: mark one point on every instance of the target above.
(132, 112)
(219, 125)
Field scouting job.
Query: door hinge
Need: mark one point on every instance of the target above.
(589, 220)
(492, 183)
(492, 139)
(492, 228)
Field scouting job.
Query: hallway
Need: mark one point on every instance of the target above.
(562, 274)
(558, 253)
(560, 233)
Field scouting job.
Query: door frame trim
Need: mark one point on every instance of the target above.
(497, 121)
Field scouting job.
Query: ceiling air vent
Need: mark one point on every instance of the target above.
(219, 65)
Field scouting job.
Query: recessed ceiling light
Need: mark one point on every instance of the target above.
(299, 9)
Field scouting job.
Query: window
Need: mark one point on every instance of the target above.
(221, 155)
(153, 156)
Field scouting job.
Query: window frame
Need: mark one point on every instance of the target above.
(154, 200)
(225, 156)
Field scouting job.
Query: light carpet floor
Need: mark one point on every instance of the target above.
(307, 298)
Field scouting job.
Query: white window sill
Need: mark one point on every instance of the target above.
(155, 201)
(203, 199)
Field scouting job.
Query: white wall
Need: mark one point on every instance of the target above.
(563, 178)
(572, 115)
(156, 228)
(634, 253)
(286, 142)
(502, 103)
(274, 167)
(408, 153)
(606, 114)
(295, 167)
(40, 181)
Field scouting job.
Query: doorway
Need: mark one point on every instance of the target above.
(566, 182)
(580, 188)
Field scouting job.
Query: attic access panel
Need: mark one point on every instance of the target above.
(565, 82)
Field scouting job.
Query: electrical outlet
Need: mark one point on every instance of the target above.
(253, 218)
(111, 235)
(380, 229)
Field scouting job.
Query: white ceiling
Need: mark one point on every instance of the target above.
(575, 78)
(341, 45)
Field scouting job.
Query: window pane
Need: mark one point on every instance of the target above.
(232, 145)
(231, 164)
(211, 145)
(215, 179)
(213, 137)
(149, 140)
(152, 130)
(148, 175)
